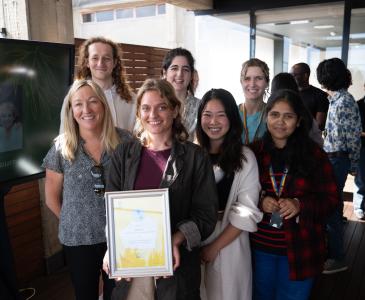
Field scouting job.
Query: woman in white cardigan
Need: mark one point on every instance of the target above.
(226, 253)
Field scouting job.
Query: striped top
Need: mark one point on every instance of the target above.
(268, 238)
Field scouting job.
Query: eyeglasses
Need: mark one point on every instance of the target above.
(97, 173)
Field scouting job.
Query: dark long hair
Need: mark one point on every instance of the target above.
(299, 147)
(169, 57)
(230, 154)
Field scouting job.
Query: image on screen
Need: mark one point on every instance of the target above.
(34, 79)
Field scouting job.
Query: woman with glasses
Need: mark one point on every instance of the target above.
(226, 253)
(178, 69)
(255, 81)
(298, 194)
(163, 158)
(74, 187)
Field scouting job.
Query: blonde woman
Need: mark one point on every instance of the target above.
(255, 79)
(75, 183)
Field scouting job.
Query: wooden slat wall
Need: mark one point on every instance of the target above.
(140, 62)
(23, 215)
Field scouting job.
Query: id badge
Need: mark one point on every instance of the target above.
(276, 220)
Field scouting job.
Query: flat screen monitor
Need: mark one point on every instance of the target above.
(34, 79)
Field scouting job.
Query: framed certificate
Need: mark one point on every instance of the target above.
(139, 237)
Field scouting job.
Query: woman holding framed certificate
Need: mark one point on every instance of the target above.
(163, 158)
(226, 253)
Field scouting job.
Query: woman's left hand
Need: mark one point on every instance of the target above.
(208, 253)
(289, 207)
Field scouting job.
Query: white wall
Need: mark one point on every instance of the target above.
(165, 31)
(13, 17)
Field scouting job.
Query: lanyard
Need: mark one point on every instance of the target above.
(245, 127)
(278, 190)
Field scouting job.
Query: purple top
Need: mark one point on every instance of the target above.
(151, 168)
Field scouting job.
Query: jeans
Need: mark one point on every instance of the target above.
(271, 279)
(341, 166)
(359, 192)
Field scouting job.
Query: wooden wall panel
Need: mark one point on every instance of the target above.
(22, 210)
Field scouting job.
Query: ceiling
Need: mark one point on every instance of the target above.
(300, 24)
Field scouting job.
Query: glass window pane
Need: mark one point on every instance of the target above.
(356, 61)
(104, 16)
(124, 13)
(87, 18)
(161, 9)
(307, 34)
(146, 11)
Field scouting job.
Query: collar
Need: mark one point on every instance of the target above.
(337, 95)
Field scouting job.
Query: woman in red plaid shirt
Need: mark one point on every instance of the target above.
(298, 193)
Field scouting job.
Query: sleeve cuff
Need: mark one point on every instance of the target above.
(191, 233)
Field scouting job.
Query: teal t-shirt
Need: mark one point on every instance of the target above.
(256, 126)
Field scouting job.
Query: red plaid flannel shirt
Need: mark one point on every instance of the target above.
(318, 196)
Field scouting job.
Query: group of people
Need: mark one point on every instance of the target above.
(251, 190)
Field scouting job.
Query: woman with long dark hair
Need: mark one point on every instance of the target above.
(178, 69)
(298, 193)
(226, 253)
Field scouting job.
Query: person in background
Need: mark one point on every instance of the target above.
(163, 158)
(287, 81)
(359, 193)
(178, 69)
(255, 79)
(226, 253)
(298, 193)
(342, 144)
(100, 59)
(11, 129)
(74, 186)
(314, 98)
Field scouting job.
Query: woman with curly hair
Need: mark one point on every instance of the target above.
(163, 158)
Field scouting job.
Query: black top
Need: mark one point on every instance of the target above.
(223, 186)
(315, 100)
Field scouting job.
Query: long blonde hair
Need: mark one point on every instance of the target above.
(69, 140)
(167, 92)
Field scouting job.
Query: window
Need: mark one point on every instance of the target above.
(161, 9)
(146, 11)
(124, 13)
(87, 18)
(106, 15)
